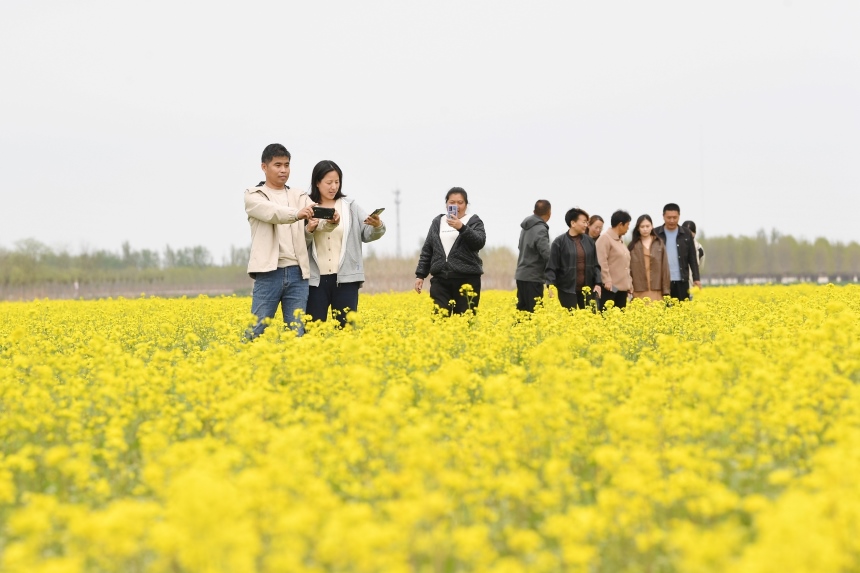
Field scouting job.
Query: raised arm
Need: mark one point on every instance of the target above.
(473, 234)
(368, 232)
(259, 207)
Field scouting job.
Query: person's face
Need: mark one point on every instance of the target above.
(329, 185)
(622, 229)
(595, 229)
(670, 219)
(645, 227)
(579, 225)
(277, 172)
(460, 202)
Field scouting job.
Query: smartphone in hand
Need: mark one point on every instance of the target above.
(323, 212)
(452, 211)
(377, 212)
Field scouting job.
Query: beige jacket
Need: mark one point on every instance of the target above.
(263, 215)
(614, 260)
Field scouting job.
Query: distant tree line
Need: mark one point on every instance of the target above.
(779, 257)
(729, 258)
(32, 262)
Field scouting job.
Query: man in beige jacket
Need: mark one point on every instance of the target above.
(279, 261)
(614, 260)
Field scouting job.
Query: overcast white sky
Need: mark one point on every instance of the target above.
(145, 121)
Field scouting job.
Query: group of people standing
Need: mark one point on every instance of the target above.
(585, 264)
(306, 252)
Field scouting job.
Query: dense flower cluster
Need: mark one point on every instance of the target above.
(715, 435)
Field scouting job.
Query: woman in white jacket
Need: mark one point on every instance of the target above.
(337, 268)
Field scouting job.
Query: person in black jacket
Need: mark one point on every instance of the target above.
(681, 248)
(450, 254)
(573, 262)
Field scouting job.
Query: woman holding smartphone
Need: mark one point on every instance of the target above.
(337, 267)
(450, 254)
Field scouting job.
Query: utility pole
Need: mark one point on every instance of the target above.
(397, 219)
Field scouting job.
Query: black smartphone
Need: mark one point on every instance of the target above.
(323, 212)
(378, 211)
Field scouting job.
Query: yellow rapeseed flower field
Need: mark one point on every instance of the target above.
(717, 435)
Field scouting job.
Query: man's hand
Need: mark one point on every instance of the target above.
(305, 213)
(598, 291)
(419, 284)
(698, 284)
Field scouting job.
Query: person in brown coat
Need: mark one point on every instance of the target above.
(649, 262)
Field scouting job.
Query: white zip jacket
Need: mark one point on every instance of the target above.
(350, 267)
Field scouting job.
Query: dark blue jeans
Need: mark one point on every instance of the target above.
(342, 298)
(284, 286)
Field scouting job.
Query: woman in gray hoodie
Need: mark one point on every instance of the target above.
(337, 267)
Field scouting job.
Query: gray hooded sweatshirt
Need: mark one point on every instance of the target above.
(534, 250)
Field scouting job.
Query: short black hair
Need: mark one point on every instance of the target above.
(619, 218)
(455, 191)
(690, 225)
(671, 207)
(542, 207)
(275, 150)
(574, 214)
(321, 169)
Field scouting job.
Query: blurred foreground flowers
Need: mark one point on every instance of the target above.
(721, 434)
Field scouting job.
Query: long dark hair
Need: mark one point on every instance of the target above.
(637, 236)
(321, 169)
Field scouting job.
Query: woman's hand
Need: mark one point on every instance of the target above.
(312, 225)
(373, 221)
(598, 291)
(419, 284)
(456, 223)
(336, 219)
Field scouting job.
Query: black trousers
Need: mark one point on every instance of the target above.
(680, 290)
(570, 300)
(341, 297)
(443, 291)
(619, 298)
(527, 293)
